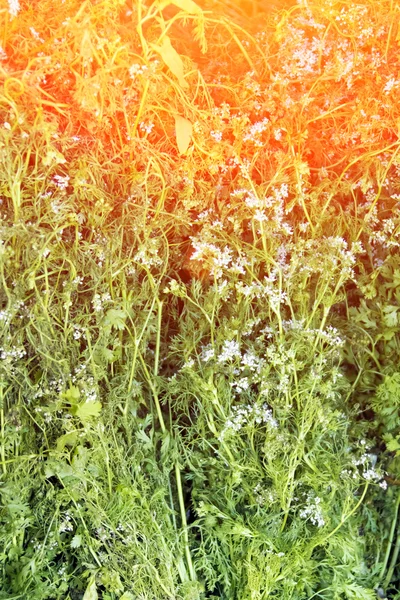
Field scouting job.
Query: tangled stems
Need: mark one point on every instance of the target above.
(389, 548)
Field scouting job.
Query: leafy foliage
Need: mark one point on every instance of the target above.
(199, 320)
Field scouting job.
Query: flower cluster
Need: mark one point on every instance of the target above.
(61, 182)
(255, 131)
(148, 254)
(267, 289)
(136, 70)
(230, 351)
(264, 496)
(8, 356)
(99, 301)
(13, 8)
(252, 414)
(146, 127)
(66, 524)
(313, 510)
(216, 135)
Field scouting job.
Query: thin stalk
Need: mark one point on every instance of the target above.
(393, 563)
(210, 321)
(164, 429)
(158, 343)
(136, 342)
(184, 522)
(2, 449)
(132, 132)
(155, 395)
(344, 519)
(378, 194)
(294, 463)
(390, 541)
(353, 162)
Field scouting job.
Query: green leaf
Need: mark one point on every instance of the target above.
(353, 591)
(188, 6)
(72, 394)
(53, 156)
(143, 437)
(108, 354)
(115, 318)
(91, 591)
(76, 541)
(59, 468)
(111, 580)
(172, 59)
(390, 317)
(87, 410)
(392, 443)
(68, 439)
(183, 132)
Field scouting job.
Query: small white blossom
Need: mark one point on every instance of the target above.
(313, 511)
(250, 414)
(217, 135)
(230, 350)
(207, 353)
(136, 70)
(13, 8)
(390, 84)
(146, 127)
(61, 182)
(188, 364)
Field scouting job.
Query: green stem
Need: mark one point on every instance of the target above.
(164, 429)
(344, 519)
(393, 563)
(184, 522)
(390, 541)
(136, 342)
(3, 452)
(158, 343)
(155, 395)
(210, 321)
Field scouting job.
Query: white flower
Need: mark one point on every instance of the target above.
(13, 8)
(260, 216)
(255, 130)
(241, 385)
(217, 135)
(96, 302)
(252, 413)
(34, 33)
(136, 69)
(313, 511)
(207, 353)
(230, 350)
(371, 475)
(61, 182)
(390, 84)
(147, 128)
(188, 364)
